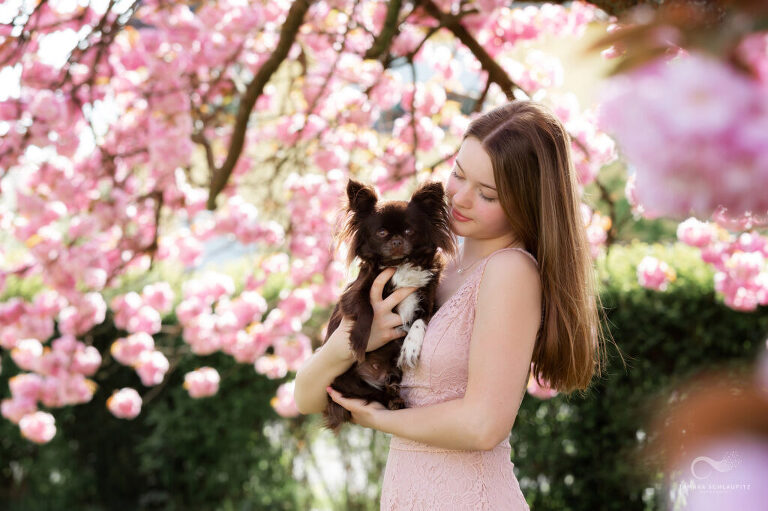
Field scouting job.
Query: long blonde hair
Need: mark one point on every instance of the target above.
(538, 190)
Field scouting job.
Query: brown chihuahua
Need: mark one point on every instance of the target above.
(412, 236)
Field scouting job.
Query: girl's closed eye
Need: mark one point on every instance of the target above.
(457, 176)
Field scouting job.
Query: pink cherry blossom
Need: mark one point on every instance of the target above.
(744, 266)
(542, 391)
(272, 366)
(742, 279)
(695, 233)
(12, 310)
(249, 306)
(39, 427)
(202, 382)
(124, 403)
(597, 229)
(249, 345)
(190, 308)
(753, 50)
(80, 317)
(200, 334)
(276, 263)
(283, 402)
(298, 303)
(679, 104)
(209, 287)
(27, 354)
(16, 408)
(146, 319)
(127, 350)
(25, 386)
(654, 274)
(151, 367)
(86, 361)
(159, 296)
(295, 350)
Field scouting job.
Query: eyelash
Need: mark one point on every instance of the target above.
(486, 199)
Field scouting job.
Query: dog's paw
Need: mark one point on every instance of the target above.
(396, 404)
(409, 353)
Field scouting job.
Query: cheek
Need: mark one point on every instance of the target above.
(450, 187)
(495, 214)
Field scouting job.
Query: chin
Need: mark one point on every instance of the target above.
(416, 238)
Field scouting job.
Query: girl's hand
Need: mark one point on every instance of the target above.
(385, 324)
(363, 414)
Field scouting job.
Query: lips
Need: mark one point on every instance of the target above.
(458, 216)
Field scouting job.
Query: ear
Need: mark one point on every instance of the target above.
(362, 198)
(429, 197)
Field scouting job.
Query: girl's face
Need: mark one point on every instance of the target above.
(471, 192)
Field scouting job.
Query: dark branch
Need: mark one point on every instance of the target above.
(453, 23)
(290, 28)
(388, 31)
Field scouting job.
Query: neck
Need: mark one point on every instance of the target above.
(474, 249)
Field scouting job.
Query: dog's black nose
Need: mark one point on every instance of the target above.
(397, 243)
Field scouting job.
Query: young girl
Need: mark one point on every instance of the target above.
(519, 296)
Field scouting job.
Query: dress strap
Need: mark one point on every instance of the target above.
(524, 251)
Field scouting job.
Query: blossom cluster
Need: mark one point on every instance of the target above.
(117, 137)
(741, 272)
(696, 132)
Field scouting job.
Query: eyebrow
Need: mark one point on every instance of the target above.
(462, 169)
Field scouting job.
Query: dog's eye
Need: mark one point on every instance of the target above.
(381, 233)
(408, 232)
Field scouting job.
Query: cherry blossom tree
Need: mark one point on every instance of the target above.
(136, 132)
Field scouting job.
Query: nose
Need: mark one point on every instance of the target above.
(397, 243)
(462, 196)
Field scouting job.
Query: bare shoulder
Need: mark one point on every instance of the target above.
(510, 274)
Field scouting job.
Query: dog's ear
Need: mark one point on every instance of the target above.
(429, 197)
(362, 202)
(362, 198)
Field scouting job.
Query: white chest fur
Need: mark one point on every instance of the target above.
(409, 275)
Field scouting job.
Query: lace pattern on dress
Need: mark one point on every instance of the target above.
(421, 476)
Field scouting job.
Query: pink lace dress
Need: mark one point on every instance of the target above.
(422, 477)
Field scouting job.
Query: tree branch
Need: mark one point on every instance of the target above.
(388, 32)
(290, 28)
(453, 23)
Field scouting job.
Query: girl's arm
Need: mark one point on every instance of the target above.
(507, 319)
(326, 363)
(335, 356)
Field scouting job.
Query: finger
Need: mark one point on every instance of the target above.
(377, 287)
(348, 403)
(335, 396)
(396, 333)
(392, 321)
(338, 397)
(396, 297)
